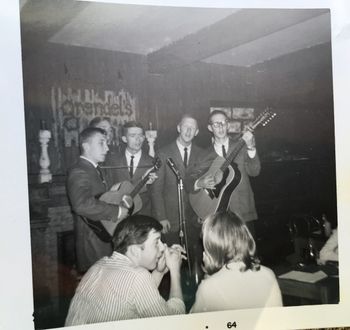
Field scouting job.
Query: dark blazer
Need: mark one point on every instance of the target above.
(84, 186)
(242, 199)
(165, 196)
(121, 173)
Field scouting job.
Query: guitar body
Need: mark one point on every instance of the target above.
(226, 173)
(115, 197)
(209, 201)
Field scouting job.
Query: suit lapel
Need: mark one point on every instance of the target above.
(95, 176)
(124, 165)
(140, 170)
(193, 155)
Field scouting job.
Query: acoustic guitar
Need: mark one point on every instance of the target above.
(209, 201)
(105, 229)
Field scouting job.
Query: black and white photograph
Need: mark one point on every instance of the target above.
(178, 160)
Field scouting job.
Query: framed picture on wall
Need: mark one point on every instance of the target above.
(239, 117)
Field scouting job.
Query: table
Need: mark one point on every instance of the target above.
(325, 291)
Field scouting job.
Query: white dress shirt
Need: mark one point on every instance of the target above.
(218, 149)
(182, 150)
(137, 158)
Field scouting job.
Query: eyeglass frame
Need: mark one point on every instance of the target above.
(218, 124)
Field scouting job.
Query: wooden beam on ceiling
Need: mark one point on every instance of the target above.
(237, 29)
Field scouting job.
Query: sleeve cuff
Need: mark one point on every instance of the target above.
(251, 152)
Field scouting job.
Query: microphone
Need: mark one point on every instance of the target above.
(173, 167)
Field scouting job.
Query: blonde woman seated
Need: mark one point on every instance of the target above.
(234, 278)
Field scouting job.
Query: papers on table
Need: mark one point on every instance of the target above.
(304, 276)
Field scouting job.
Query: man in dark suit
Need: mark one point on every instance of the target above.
(131, 164)
(242, 198)
(165, 197)
(85, 185)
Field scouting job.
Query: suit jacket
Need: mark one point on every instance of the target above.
(122, 174)
(165, 196)
(84, 186)
(242, 198)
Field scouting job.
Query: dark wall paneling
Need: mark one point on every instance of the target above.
(298, 86)
(76, 68)
(192, 88)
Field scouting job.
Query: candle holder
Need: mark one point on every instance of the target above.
(44, 161)
(151, 136)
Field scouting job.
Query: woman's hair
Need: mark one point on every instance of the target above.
(225, 239)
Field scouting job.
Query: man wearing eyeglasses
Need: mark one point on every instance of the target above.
(242, 198)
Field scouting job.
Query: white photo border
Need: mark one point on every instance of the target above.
(16, 298)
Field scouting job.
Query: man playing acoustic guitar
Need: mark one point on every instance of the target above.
(245, 163)
(85, 184)
(131, 164)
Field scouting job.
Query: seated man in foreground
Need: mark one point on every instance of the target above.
(125, 285)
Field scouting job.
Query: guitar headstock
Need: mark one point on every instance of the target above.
(264, 118)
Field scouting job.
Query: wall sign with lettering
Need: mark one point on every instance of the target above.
(74, 108)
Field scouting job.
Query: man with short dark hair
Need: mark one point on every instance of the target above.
(132, 163)
(113, 146)
(125, 285)
(85, 184)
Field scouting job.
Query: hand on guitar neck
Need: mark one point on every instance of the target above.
(249, 139)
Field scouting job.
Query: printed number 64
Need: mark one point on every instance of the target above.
(230, 325)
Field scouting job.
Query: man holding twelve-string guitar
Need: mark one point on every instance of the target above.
(245, 163)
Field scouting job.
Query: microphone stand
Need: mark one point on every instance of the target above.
(182, 221)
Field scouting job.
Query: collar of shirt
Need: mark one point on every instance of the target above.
(182, 149)
(218, 147)
(90, 161)
(137, 158)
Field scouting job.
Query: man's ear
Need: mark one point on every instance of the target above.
(85, 147)
(197, 131)
(210, 128)
(134, 250)
(178, 128)
(124, 139)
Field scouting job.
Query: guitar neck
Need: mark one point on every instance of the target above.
(138, 187)
(233, 154)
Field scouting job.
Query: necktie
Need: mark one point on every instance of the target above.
(223, 151)
(99, 171)
(131, 167)
(185, 157)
